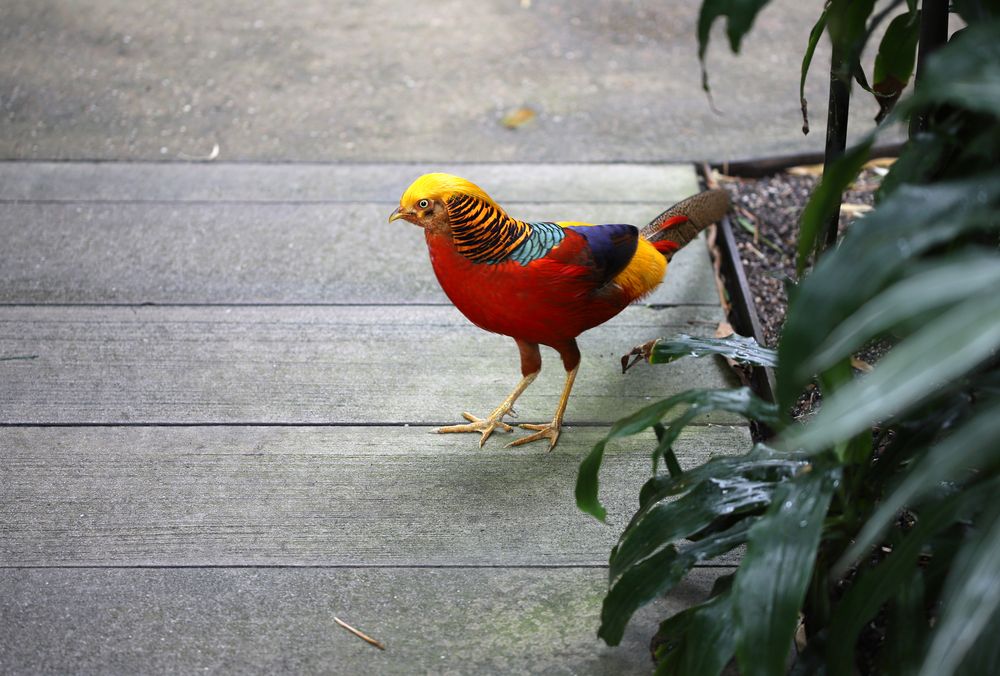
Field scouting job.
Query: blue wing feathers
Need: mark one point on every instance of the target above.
(613, 245)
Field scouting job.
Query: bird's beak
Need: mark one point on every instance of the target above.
(396, 215)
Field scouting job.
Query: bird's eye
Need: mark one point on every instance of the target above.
(423, 204)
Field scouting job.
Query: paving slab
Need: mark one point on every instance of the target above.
(394, 80)
(272, 253)
(329, 365)
(382, 183)
(294, 496)
(280, 620)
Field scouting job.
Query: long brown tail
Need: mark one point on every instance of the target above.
(682, 222)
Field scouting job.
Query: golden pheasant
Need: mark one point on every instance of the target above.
(541, 283)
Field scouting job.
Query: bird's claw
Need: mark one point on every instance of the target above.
(482, 425)
(548, 431)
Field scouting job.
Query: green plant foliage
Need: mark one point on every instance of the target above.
(741, 349)
(947, 348)
(699, 640)
(972, 446)
(826, 198)
(772, 579)
(913, 220)
(886, 494)
(971, 597)
(814, 35)
(897, 54)
(740, 15)
(698, 402)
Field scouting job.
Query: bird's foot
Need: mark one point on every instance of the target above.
(548, 431)
(482, 425)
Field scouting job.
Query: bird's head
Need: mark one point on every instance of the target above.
(425, 202)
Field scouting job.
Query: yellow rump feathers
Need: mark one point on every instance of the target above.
(644, 272)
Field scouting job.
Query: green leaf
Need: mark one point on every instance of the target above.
(973, 11)
(984, 657)
(875, 586)
(827, 197)
(738, 348)
(894, 61)
(760, 463)
(972, 445)
(740, 15)
(814, 35)
(741, 401)
(932, 286)
(906, 627)
(971, 599)
(846, 25)
(771, 582)
(945, 349)
(966, 73)
(665, 522)
(664, 450)
(657, 575)
(698, 641)
(910, 221)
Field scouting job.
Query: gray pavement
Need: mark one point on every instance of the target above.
(398, 80)
(218, 384)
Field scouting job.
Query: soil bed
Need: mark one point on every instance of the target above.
(765, 221)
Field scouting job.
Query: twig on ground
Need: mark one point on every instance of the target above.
(364, 637)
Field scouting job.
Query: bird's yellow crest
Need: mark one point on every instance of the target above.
(441, 187)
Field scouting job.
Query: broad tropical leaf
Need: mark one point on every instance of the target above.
(875, 586)
(698, 641)
(657, 575)
(741, 401)
(946, 348)
(895, 59)
(772, 579)
(928, 287)
(694, 511)
(826, 198)
(973, 445)
(742, 349)
(972, 599)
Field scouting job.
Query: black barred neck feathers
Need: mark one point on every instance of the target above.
(482, 231)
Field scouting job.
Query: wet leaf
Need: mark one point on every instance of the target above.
(945, 349)
(699, 641)
(669, 521)
(971, 446)
(742, 349)
(971, 600)
(698, 402)
(771, 582)
(659, 574)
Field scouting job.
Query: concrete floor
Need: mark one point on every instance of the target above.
(395, 80)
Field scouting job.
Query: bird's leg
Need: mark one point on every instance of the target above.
(571, 360)
(531, 364)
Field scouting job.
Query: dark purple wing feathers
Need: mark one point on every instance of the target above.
(612, 245)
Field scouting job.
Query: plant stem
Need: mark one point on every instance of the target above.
(836, 135)
(933, 34)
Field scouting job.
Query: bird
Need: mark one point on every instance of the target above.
(541, 282)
